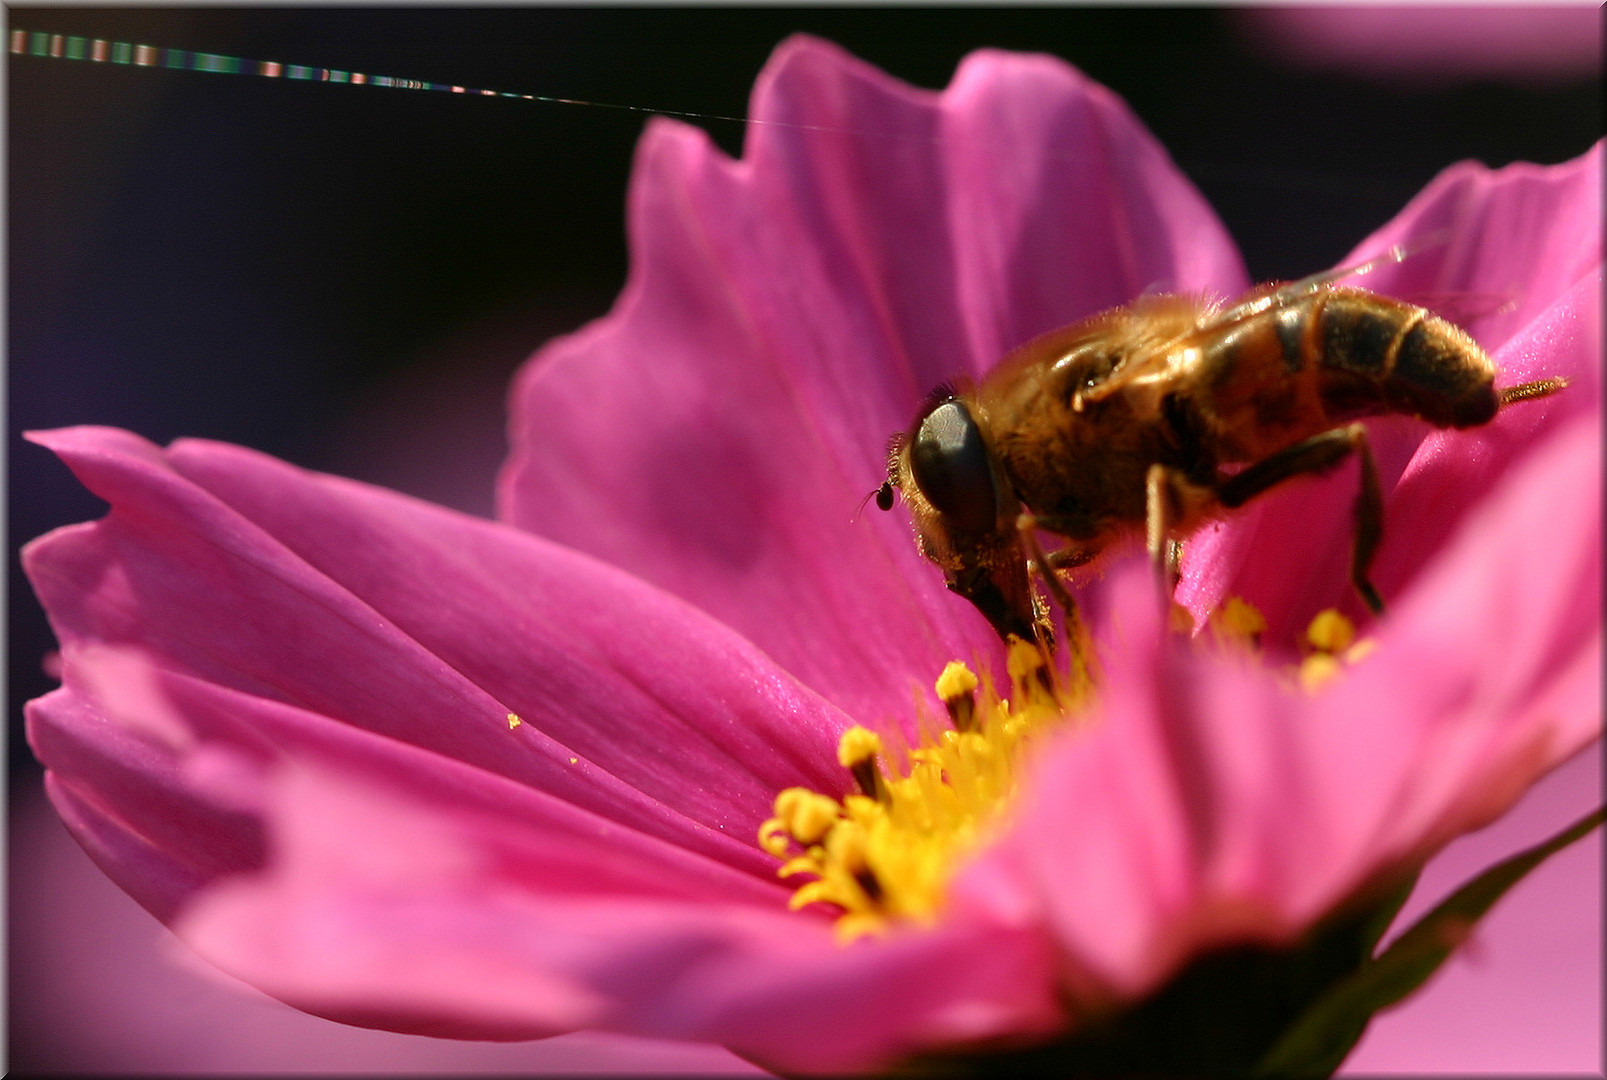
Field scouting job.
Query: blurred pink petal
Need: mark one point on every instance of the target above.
(785, 314)
(1434, 43)
(1212, 804)
(435, 918)
(112, 992)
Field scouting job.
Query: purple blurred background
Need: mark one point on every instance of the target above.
(347, 277)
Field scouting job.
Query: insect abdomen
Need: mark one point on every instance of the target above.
(1381, 355)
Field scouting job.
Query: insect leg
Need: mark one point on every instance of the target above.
(1027, 525)
(1369, 523)
(1314, 455)
(1174, 563)
(1163, 508)
(1066, 557)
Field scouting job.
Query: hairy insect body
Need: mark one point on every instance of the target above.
(1080, 415)
(1077, 426)
(1157, 416)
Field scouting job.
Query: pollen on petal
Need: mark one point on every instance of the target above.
(1360, 650)
(513, 721)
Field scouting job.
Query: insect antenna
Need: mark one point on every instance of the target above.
(884, 500)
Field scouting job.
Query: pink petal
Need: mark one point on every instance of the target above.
(1209, 802)
(786, 313)
(386, 910)
(414, 874)
(130, 807)
(1498, 646)
(374, 610)
(1526, 233)
(139, 808)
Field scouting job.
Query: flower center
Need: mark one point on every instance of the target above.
(887, 852)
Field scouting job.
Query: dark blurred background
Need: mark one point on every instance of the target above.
(347, 276)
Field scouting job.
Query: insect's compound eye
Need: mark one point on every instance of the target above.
(950, 465)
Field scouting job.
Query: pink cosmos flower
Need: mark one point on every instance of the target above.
(413, 770)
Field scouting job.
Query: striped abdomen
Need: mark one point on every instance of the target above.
(1319, 360)
(1383, 355)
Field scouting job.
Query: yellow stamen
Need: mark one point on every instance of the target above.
(1332, 638)
(1180, 619)
(857, 745)
(1317, 670)
(886, 854)
(1239, 622)
(857, 752)
(1023, 661)
(957, 687)
(807, 816)
(956, 680)
(1330, 632)
(773, 839)
(1359, 651)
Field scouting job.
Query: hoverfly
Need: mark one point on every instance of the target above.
(1160, 415)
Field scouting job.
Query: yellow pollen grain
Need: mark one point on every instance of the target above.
(513, 721)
